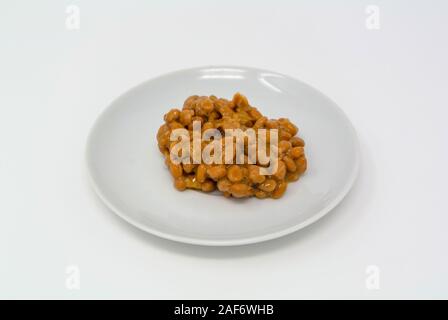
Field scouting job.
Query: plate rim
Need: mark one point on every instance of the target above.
(226, 242)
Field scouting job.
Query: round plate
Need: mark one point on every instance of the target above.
(129, 174)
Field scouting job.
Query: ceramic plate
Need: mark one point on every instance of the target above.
(129, 175)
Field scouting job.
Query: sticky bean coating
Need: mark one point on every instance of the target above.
(290, 164)
(172, 115)
(254, 174)
(280, 190)
(233, 179)
(186, 117)
(180, 183)
(281, 171)
(208, 186)
(268, 186)
(284, 146)
(240, 190)
(301, 164)
(240, 100)
(176, 170)
(188, 168)
(296, 152)
(261, 194)
(201, 173)
(217, 172)
(224, 185)
(235, 173)
(297, 142)
(292, 176)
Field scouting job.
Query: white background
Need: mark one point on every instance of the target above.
(392, 83)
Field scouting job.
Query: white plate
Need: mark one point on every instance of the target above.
(129, 174)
